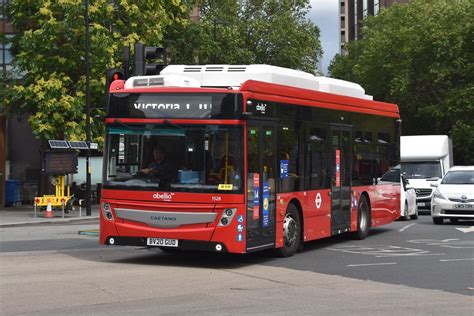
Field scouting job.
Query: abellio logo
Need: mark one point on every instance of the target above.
(163, 196)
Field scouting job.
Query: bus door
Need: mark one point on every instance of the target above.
(341, 147)
(261, 181)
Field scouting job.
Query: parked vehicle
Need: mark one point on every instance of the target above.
(454, 197)
(425, 159)
(408, 207)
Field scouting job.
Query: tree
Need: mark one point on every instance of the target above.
(49, 51)
(420, 56)
(254, 31)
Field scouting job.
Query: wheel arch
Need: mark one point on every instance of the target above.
(298, 206)
(367, 197)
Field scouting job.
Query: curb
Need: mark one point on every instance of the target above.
(55, 221)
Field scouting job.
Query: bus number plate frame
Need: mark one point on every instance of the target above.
(162, 242)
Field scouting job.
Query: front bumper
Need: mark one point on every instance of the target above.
(189, 245)
(448, 209)
(197, 228)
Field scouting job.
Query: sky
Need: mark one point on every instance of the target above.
(324, 14)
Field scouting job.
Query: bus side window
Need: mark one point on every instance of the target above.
(289, 149)
(316, 158)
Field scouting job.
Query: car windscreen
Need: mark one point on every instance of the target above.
(459, 177)
(421, 169)
(393, 175)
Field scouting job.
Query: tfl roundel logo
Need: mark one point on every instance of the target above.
(318, 200)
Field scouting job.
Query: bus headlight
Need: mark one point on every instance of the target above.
(227, 216)
(107, 211)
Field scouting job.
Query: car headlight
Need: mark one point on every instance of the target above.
(438, 195)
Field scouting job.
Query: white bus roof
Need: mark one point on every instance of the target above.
(225, 76)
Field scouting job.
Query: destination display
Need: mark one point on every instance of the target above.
(59, 162)
(182, 105)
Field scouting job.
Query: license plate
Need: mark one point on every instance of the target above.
(162, 242)
(463, 205)
(420, 204)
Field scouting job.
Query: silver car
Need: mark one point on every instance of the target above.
(454, 196)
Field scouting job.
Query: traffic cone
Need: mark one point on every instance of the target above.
(49, 211)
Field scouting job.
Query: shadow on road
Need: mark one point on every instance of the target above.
(211, 260)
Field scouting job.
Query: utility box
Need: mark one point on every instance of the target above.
(13, 192)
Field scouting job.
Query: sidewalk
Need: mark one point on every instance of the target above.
(25, 215)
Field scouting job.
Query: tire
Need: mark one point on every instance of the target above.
(405, 217)
(438, 220)
(291, 232)
(363, 219)
(415, 216)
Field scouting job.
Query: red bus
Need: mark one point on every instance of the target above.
(244, 158)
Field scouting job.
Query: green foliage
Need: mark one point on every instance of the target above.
(50, 51)
(49, 48)
(420, 57)
(244, 32)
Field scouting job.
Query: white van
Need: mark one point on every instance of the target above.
(425, 159)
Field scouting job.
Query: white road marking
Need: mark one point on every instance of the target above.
(371, 264)
(413, 255)
(466, 230)
(404, 228)
(448, 243)
(381, 251)
(463, 259)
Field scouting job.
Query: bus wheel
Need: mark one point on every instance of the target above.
(291, 232)
(363, 219)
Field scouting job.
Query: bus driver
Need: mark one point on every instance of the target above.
(161, 168)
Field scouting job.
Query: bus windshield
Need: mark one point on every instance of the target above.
(175, 158)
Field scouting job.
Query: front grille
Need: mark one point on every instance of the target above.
(423, 192)
(462, 201)
(453, 212)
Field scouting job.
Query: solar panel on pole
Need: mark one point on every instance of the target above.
(78, 144)
(58, 144)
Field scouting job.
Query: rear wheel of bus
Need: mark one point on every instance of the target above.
(291, 232)
(363, 219)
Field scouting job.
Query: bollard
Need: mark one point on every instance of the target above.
(80, 207)
(62, 203)
(35, 209)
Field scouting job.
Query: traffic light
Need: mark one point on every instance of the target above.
(112, 74)
(148, 53)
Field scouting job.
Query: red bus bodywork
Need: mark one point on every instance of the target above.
(384, 200)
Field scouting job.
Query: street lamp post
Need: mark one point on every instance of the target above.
(88, 114)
